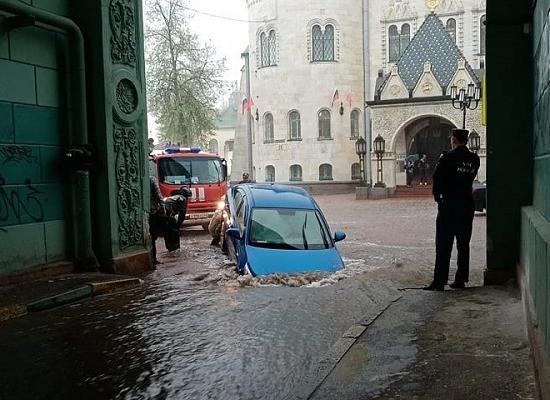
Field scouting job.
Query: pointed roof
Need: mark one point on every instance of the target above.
(433, 44)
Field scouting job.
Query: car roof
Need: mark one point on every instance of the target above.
(187, 155)
(278, 196)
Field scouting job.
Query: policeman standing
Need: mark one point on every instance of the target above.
(452, 190)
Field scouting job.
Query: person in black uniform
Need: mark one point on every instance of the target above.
(452, 190)
(156, 215)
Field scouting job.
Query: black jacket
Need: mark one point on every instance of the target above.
(454, 175)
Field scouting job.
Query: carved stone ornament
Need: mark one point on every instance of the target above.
(128, 185)
(127, 97)
(399, 10)
(122, 15)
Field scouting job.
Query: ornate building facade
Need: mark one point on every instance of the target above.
(323, 74)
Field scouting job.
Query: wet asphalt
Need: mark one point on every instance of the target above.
(195, 330)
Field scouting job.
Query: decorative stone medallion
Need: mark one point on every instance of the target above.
(127, 97)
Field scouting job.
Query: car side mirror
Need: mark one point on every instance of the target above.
(339, 236)
(235, 233)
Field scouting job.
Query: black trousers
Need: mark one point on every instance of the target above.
(454, 220)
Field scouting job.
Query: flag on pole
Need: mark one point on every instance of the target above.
(349, 98)
(245, 102)
(249, 104)
(335, 97)
(484, 101)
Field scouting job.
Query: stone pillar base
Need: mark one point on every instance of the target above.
(378, 193)
(495, 277)
(362, 193)
(132, 264)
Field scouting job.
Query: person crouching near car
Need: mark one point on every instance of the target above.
(217, 227)
(156, 214)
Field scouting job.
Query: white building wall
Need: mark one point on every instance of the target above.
(295, 83)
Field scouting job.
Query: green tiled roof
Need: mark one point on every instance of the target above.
(227, 118)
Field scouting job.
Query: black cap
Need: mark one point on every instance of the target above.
(461, 135)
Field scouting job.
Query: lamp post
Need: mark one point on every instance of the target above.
(379, 150)
(474, 141)
(465, 99)
(361, 150)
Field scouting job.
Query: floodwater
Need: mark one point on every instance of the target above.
(196, 330)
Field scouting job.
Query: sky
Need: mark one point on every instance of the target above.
(229, 37)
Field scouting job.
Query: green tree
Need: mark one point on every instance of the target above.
(184, 77)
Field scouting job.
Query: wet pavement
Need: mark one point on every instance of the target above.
(195, 330)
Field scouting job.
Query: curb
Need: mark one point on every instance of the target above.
(109, 286)
(87, 290)
(12, 311)
(60, 299)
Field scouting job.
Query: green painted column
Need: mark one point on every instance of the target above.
(509, 133)
(113, 31)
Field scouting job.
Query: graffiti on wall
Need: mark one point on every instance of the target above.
(20, 203)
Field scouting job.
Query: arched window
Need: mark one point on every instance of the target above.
(393, 34)
(482, 35)
(272, 48)
(294, 125)
(398, 41)
(451, 28)
(356, 171)
(328, 43)
(324, 124)
(269, 136)
(323, 43)
(404, 38)
(354, 117)
(295, 172)
(268, 49)
(270, 173)
(325, 172)
(213, 146)
(264, 50)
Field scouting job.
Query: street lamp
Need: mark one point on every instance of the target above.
(379, 150)
(465, 99)
(474, 141)
(361, 150)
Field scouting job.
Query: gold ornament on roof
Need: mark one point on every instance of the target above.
(432, 4)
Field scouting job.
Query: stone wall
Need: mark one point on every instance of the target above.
(34, 196)
(535, 250)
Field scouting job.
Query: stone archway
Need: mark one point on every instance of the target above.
(429, 134)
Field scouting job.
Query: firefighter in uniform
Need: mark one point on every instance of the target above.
(452, 190)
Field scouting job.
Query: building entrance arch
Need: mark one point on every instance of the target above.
(430, 135)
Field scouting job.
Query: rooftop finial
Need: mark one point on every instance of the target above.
(432, 4)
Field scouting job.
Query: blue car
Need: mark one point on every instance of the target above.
(277, 229)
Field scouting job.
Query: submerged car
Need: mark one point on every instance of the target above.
(276, 229)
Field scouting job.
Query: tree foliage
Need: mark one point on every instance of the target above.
(184, 77)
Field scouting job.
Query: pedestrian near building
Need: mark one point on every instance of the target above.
(156, 214)
(452, 190)
(246, 178)
(409, 170)
(423, 167)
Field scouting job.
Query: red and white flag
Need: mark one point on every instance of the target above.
(349, 98)
(335, 97)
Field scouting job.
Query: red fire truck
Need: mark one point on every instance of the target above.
(205, 174)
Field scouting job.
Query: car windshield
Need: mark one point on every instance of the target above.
(289, 229)
(182, 170)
